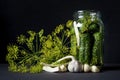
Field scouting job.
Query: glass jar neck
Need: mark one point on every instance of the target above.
(82, 13)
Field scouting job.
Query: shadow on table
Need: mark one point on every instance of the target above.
(109, 67)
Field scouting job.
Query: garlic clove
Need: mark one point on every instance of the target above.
(95, 69)
(86, 68)
(63, 68)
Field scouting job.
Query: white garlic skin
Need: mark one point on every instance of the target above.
(74, 66)
(86, 68)
(95, 69)
(63, 68)
(50, 69)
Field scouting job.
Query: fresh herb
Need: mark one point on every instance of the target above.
(33, 49)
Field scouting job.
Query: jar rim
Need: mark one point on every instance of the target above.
(92, 12)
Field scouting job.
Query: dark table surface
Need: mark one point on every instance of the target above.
(109, 72)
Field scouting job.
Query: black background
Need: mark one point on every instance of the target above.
(18, 16)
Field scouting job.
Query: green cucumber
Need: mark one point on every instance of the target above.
(85, 47)
(97, 51)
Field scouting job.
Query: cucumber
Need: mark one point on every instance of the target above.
(97, 51)
(85, 47)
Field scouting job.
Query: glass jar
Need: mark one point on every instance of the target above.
(88, 29)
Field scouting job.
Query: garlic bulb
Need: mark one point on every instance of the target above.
(86, 68)
(95, 69)
(48, 68)
(74, 65)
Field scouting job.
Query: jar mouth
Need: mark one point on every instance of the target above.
(79, 13)
(89, 10)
